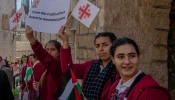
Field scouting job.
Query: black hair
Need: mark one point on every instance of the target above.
(6, 63)
(22, 57)
(33, 55)
(56, 43)
(27, 59)
(111, 36)
(123, 41)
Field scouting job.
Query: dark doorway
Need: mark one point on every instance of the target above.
(171, 50)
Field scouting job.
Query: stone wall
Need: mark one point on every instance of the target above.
(7, 38)
(145, 21)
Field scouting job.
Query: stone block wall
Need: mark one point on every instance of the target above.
(7, 38)
(145, 21)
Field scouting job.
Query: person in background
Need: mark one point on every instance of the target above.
(23, 62)
(38, 70)
(23, 85)
(5, 88)
(134, 83)
(4, 65)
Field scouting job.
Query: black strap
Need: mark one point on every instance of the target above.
(138, 78)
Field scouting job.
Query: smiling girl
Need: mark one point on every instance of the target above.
(134, 84)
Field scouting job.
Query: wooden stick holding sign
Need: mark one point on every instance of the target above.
(70, 16)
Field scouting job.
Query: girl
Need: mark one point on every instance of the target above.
(97, 74)
(38, 70)
(49, 58)
(22, 62)
(134, 84)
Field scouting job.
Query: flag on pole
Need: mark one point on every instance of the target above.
(18, 79)
(85, 12)
(17, 17)
(69, 89)
(29, 71)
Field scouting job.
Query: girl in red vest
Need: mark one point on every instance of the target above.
(134, 84)
(49, 58)
(98, 74)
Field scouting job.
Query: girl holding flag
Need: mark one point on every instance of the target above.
(38, 70)
(23, 85)
(49, 58)
(98, 75)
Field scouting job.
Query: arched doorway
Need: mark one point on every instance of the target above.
(171, 51)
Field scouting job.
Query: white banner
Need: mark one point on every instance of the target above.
(48, 15)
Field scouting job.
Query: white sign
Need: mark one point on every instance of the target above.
(17, 17)
(85, 12)
(48, 15)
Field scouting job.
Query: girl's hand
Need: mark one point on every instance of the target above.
(29, 34)
(35, 85)
(63, 36)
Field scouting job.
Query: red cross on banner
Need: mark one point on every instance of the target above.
(17, 17)
(85, 12)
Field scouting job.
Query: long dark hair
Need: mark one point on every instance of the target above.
(111, 36)
(123, 41)
(21, 62)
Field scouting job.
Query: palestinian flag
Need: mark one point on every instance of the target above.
(29, 71)
(18, 79)
(69, 89)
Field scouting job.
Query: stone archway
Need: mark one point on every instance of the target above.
(171, 51)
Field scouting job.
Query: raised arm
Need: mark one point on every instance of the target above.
(52, 64)
(66, 58)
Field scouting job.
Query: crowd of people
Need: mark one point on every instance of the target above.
(113, 76)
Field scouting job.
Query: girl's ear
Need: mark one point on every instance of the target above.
(112, 58)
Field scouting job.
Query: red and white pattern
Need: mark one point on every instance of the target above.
(85, 12)
(17, 17)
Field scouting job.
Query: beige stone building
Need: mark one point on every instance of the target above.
(145, 21)
(7, 38)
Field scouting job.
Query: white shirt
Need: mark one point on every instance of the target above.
(122, 87)
(101, 68)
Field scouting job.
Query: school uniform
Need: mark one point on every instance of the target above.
(140, 87)
(96, 80)
(53, 75)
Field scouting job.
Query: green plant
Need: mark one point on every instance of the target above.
(15, 92)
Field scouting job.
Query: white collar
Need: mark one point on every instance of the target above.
(36, 63)
(128, 83)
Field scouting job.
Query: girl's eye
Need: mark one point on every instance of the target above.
(105, 45)
(120, 57)
(97, 46)
(132, 56)
(52, 49)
